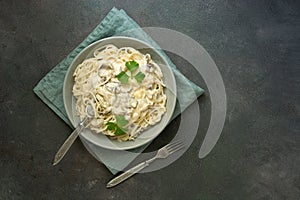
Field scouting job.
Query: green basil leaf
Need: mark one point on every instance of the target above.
(139, 77)
(123, 77)
(121, 121)
(132, 66)
(111, 126)
(119, 131)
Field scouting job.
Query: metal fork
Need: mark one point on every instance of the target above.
(161, 153)
(70, 140)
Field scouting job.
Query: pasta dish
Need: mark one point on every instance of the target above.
(125, 89)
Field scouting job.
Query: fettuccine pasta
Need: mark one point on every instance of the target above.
(141, 102)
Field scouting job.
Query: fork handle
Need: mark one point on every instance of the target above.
(127, 174)
(68, 143)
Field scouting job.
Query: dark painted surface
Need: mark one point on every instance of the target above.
(255, 44)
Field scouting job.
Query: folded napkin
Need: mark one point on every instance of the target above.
(50, 88)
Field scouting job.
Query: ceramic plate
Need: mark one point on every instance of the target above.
(147, 135)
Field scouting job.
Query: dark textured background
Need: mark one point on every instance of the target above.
(255, 44)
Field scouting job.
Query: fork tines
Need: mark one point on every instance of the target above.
(175, 146)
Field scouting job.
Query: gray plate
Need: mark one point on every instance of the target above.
(149, 134)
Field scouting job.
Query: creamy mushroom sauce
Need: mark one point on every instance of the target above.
(96, 84)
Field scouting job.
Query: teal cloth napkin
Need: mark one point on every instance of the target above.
(50, 88)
